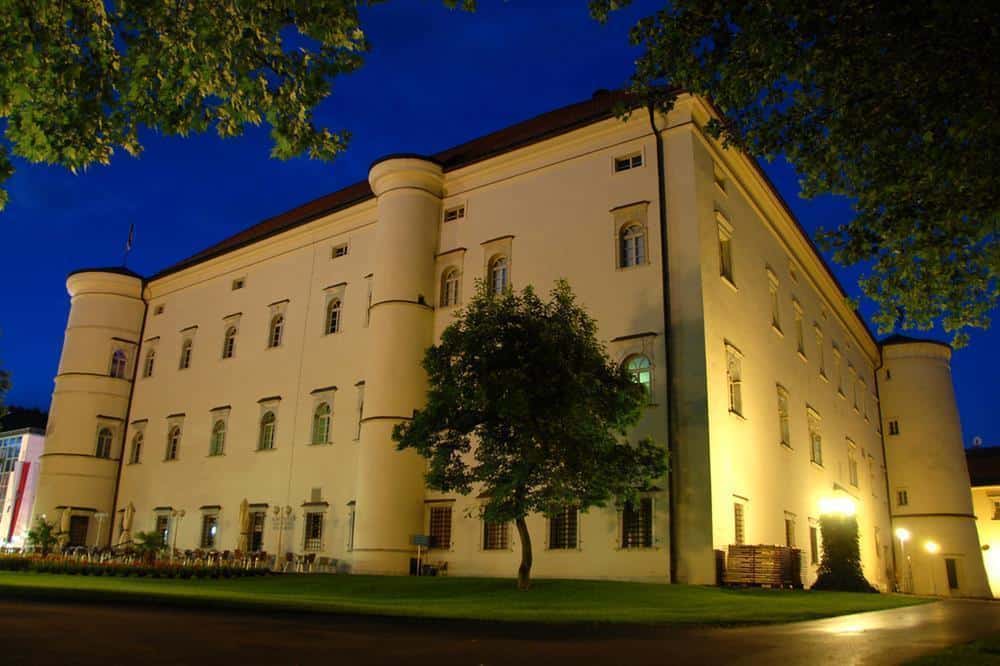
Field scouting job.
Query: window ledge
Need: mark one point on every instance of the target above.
(804, 358)
(841, 394)
(817, 465)
(638, 549)
(730, 283)
(170, 459)
(320, 443)
(786, 445)
(822, 375)
(621, 268)
(777, 331)
(273, 448)
(216, 455)
(738, 415)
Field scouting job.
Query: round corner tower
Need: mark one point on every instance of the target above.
(935, 538)
(86, 428)
(390, 483)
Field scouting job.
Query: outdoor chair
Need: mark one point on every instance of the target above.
(289, 562)
(323, 564)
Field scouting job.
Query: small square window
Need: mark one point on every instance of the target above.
(626, 162)
(454, 213)
(239, 283)
(339, 251)
(158, 310)
(893, 427)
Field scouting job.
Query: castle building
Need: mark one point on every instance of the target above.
(984, 473)
(273, 366)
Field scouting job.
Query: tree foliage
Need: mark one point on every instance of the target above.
(43, 536)
(525, 407)
(840, 567)
(891, 104)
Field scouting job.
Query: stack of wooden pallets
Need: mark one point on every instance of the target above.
(767, 566)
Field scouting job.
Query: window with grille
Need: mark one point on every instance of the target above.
(314, 532)
(734, 377)
(104, 438)
(257, 520)
(496, 536)
(163, 527)
(563, 529)
(637, 524)
(186, 350)
(815, 439)
(209, 529)
(118, 362)
(265, 440)
(217, 444)
(229, 343)
(739, 527)
(321, 424)
(333, 316)
(903, 499)
(628, 162)
(641, 371)
(632, 246)
(135, 454)
(813, 545)
(784, 419)
(275, 332)
(440, 527)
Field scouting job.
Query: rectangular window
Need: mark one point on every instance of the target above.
(852, 463)
(257, 521)
(893, 427)
(361, 411)
(854, 385)
(158, 310)
(789, 531)
(813, 545)
(784, 425)
(772, 285)
(902, 497)
(838, 370)
(209, 529)
(626, 162)
(951, 568)
(314, 532)
(739, 528)
(562, 529)
(239, 283)
(440, 527)
(820, 353)
(800, 336)
(637, 524)
(815, 438)
(496, 536)
(339, 251)
(725, 249)
(996, 509)
(734, 377)
(163, 527)
(454, 213)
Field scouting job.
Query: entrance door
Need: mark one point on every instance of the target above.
(78, 526)
(951, 568)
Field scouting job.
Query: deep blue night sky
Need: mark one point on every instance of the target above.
(435, 78)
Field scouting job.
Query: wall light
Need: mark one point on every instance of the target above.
(841, 506)
(903, 534)
(932, 547)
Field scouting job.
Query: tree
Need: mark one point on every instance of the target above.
(525, 407)
(891, 104)
(148, 545)
(81, 77)
(43, 536)
(840, 567)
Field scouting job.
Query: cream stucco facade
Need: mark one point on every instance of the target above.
(763, 380)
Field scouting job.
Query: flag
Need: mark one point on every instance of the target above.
(131, 237)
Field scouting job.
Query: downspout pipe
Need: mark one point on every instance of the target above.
(668, 339)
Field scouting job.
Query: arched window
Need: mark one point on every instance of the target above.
(277, 327)
(229, 343)
(104, 443)
(641, 370)
(147, 368)
(333, 316)
(449, 288)
(135, 455)
(499, 275)
(186, 348)
(173, 443)
(217, 445)
(266, 439)
(321, 424)
(632, 248)
(118, 362)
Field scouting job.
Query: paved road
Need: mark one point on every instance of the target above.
(57, 633)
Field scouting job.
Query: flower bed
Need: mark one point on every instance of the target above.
(63, 565)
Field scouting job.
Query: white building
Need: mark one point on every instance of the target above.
(19, 454)
(273, 366)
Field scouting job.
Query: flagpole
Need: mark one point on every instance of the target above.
(128, 244)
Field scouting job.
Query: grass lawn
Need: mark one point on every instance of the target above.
(461, 598)
(986, 651)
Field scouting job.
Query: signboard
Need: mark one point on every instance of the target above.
(421, 540)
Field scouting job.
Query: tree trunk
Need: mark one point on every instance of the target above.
(524, 571)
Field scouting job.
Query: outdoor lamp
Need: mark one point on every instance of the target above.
(932, 547)
(841, 506)
(902, 534)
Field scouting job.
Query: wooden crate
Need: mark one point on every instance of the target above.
(770, 566)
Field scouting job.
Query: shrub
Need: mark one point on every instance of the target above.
(840, 568)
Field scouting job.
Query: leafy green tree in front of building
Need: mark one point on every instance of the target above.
(43, 536)
(840, 566)
(525, 408)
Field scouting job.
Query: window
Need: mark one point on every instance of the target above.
(641, 371)
(563, 529)
(339, 251)
(951, 568)
(173, 443)
(274, 334)
(118, 362)
(854, 386)
(725, 249)
(626, 162)
(257, 522)
(449, 287)
(789, 531)
(632, 246)
(361, 411)
(147, 368)
(163, 527)
(775, 301)
(333, 316)
(158, 310)
(903, 498)
(996, 509)
(314, 532)
(229, 343)
(815, 438)
(368, 307)
(104, 443)
(351, 514)
(265, 441)
(496, 536)
(217, 444)
(499, 275)
(813, 545)
(321, 424)
(454, 213)
(186, 354)
(893, 427)
(734, 376)
(637, 524)
(784, 426)
(739, 526)
(440, 527)
(800, 337)
(135, 453)
(838, 371)
(239, 283)
(209, 529)
(820, 353)
(852, 463)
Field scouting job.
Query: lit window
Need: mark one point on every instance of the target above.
(314, 532)
(209, 530)
(274, 334)
(135, 453)
(163, 527)
(449, 287)
(632, 246)
(852, 463)
(186, 348)
(454, 213)
(627, 162)
(739, 525)
(734, 377)
(147, 368)
(118, 362)
(104, 443)
(265, 440)
(784, 426)
(229, 343)
(217, 444)
(563, 529)
(637, 524)
(815, 438)
(641, 371)
(499, 275)
(173, 443)
(321, 424)
(333, 316)
(496, 536)
(440, 527)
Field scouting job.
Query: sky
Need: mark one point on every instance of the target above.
(435, 78)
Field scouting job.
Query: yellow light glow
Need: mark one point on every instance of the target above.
(903, 534)
(932, 547)
(841, 506)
